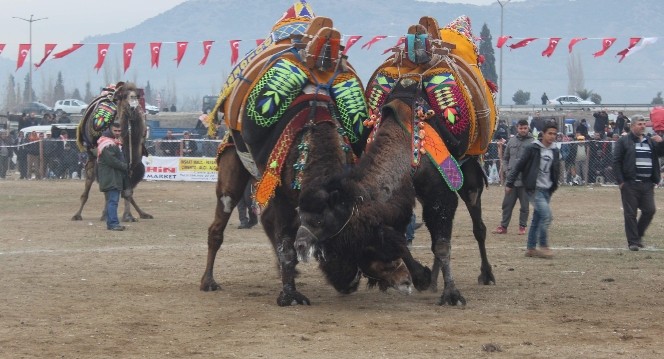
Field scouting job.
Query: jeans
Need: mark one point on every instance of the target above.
(539, 227)
(637, 195)
(410, 230)
(112, 199)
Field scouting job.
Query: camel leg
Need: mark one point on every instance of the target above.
(126, 214)
(90, 176)
(438, 210)
(142, 214)
(471, 194)
(280, 222)
(231, 182)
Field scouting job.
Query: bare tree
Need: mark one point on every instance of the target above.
(11, 102)
(575, 74)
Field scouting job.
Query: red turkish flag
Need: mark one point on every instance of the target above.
(259, 42)
(632, 42)
(2, 47)
(573, 42)
(48, 48)
(502, 40)
(182, 48)
(207, 44)
(350, 42)
(23, 50)
(68, 51)
(402, 40)
(553, 42)
(128, 53)
(235, 51)
(606, 43)
(102, 50)
(522, 43)
(373, 41)
(155, 50)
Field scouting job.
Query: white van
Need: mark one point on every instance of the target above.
(46, 129)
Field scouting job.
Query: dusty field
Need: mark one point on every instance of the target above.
(75, 290)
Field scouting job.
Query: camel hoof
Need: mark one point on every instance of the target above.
(146, 216)
(77, 217)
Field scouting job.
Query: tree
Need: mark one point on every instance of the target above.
(59, 89)
(88, 93)
(76, 94)
(486, 50)
(596, 98)
(148, 93)
(11, 102)
(574, 74)
(658, 100)
(521, 98)
(27, 89)
(583, 93)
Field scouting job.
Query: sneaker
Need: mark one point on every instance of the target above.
(633, 247)
(116, 228)
(499, 230)
(532, 252)
(522, 230)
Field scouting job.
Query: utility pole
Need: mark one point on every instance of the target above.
(500, 80)
(30, 20)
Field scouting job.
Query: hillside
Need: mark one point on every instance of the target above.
(635, 80)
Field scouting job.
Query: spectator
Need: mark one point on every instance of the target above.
(582, 128)
(545, 99)
(511, 156)
(173, 108)
(22, 155)
(599, 159)
(601, 122)
(24, 121)
(540, 166)
(621, 122)
(189, 146)
(637, 171)
(5, 152)
(580, 161)
(64, 118)
(169, 145)
(248, 217)
(111, 173)
(502, 131)
(33, 148)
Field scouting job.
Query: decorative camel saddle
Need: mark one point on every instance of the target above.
(99, 116)
(453, 105)
(302, 56)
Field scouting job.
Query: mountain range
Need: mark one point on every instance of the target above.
(636, 80)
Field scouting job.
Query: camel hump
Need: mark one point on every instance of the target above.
(431, 26)
(417, 29)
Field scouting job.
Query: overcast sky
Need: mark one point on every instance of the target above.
(70, 21)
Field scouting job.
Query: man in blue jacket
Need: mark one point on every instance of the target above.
(636, 167)
(540, 169)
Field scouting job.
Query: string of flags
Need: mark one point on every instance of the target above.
(635, 44)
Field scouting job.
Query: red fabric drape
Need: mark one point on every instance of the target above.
(182, 48)
(606, 44)
(48, 48)
(102, 49)
(128, 53)
(374, 40)
(206, 51)
(23, 50)
(68, 51)
(553, 42)
(522, 43)
(235, 51)
(350, 42)
(155, 50)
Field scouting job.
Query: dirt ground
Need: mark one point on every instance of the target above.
(75, 290)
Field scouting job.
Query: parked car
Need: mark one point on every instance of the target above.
(37, 107)
(70, 106)
(571, 100)
(151, 109)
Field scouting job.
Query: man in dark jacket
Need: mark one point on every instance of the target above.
(636, 167)
(540, 170)
(111, 173)
(514, 150)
